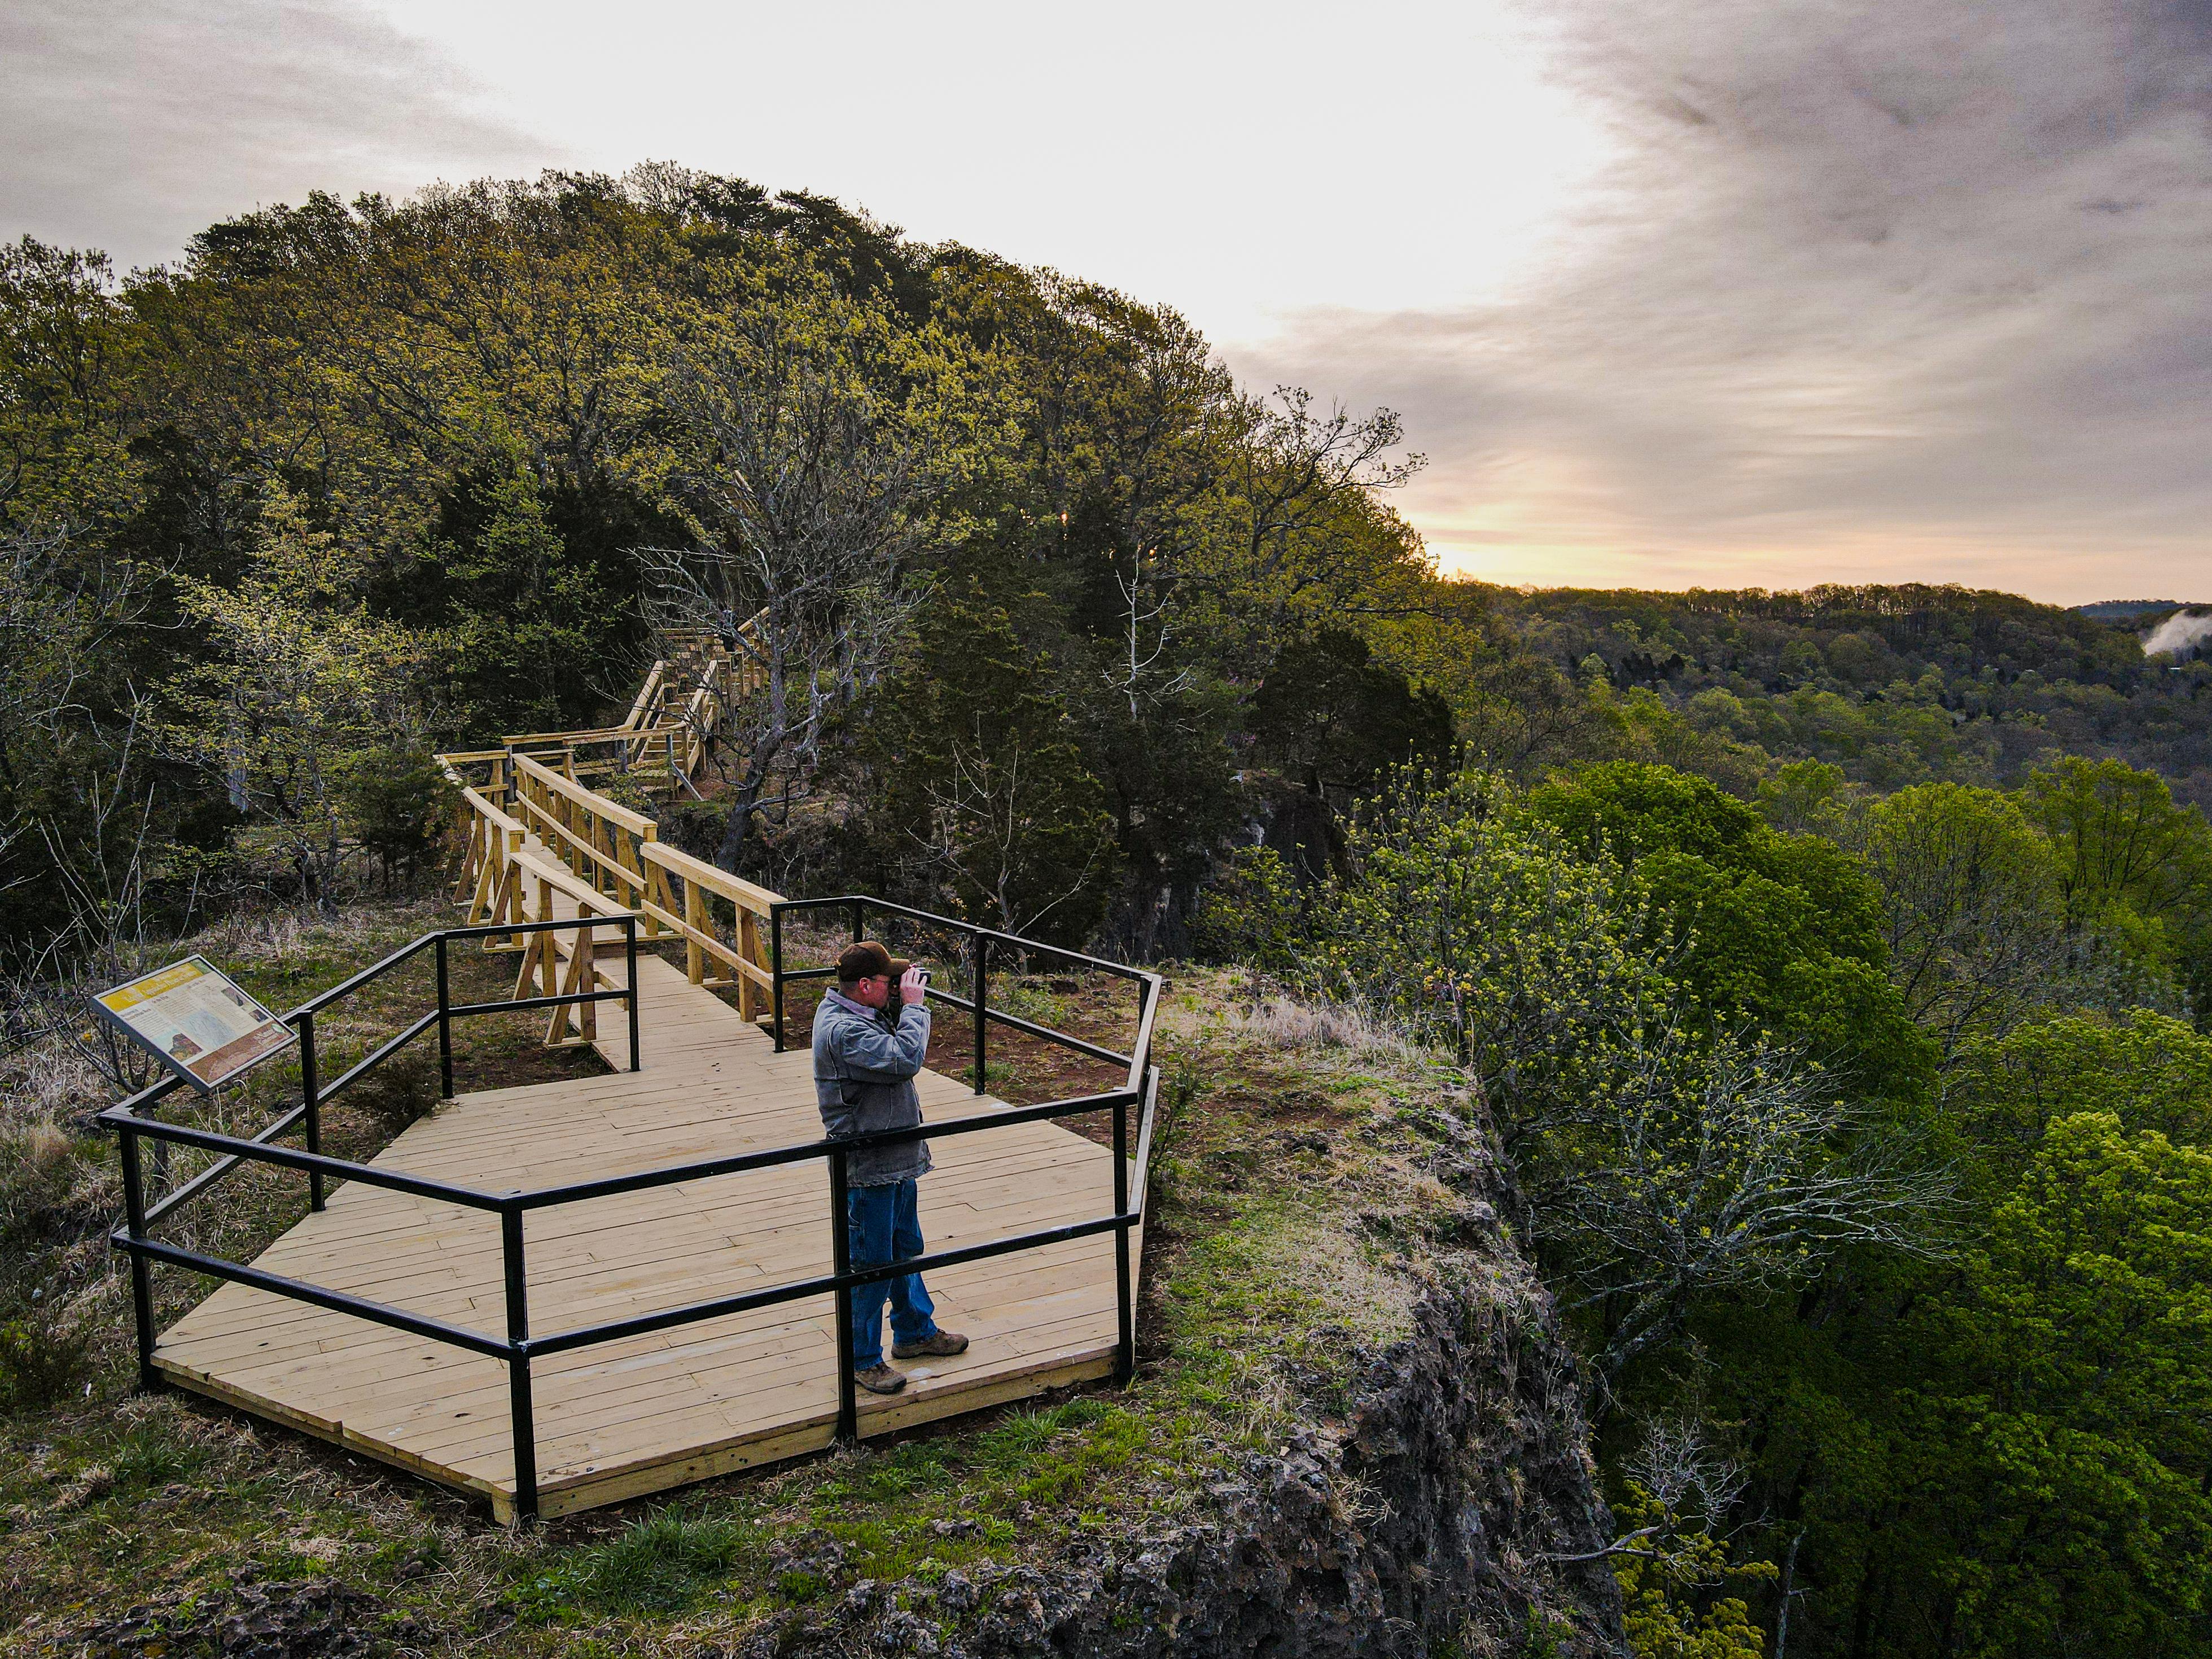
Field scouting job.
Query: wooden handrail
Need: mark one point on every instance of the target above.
(589, 900)
(647, 694)
(603, 855)
(590, 800)
(715, 879)
(592, 734)
(489, 813)
(744, 958)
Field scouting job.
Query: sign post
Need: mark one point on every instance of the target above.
(191, 1016)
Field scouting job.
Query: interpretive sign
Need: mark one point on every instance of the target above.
(191, 1016)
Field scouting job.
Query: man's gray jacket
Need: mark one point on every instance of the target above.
(864, 1071)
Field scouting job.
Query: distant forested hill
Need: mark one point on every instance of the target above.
(1897, 685)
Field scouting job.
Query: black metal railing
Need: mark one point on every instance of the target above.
(518, 1346)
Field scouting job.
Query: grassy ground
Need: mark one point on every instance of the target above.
(1289, 1211)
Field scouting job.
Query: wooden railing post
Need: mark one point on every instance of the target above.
(749, 951)
(651, 833)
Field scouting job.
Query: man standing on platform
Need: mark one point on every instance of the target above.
(870, 1035)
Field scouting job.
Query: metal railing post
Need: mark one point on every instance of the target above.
(841, 1258)
(523, 1425)
(982, 982)
(860, 919)
(630, 968)
(775, 969)
(445, 1027)
(1125, 1351)
(142, 1281)
(311, 1100)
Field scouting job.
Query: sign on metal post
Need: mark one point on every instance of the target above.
(198, 1023)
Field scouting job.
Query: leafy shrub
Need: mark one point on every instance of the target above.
(1253, 914)
(151, 1456)
(398, 798)
(658, 1565)
(42, 1360)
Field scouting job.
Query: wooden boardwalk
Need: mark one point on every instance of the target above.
(616, 1421)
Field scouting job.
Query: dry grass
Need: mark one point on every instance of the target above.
(1274, 1019)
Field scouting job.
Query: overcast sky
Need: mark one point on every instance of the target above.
(1670, 292)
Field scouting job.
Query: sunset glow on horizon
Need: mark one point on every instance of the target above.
(1715, 294)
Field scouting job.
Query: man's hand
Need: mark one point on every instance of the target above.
(910, 990)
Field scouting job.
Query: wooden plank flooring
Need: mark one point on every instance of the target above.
(619, 1421)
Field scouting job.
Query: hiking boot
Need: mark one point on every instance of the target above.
(937, 1344)
(880, 1378)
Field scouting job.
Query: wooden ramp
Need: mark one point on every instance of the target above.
(616, 1421)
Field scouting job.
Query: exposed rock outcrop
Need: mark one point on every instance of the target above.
(1424, 1519)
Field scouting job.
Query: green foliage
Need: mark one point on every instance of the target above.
(658, 1565)
(1782, 931)
(1975, 918)
(1596, 951)
(2150, 1071)
(1669, 1590)
(2119, 834)
(1253, 913)
(989, 801)
(1803, 796)
(519, 605)
(42, 1360)
(1893, 685)
(304, 687)
(2067, 1392)
(399, 803)
(2134, 870)
(1481, 932)
(1331, 715)
(65, 364)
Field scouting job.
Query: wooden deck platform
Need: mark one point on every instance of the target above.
(617, 1421)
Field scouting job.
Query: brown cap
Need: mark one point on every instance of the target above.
(865, 959)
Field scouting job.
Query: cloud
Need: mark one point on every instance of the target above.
(129, 126)
(1876, 290)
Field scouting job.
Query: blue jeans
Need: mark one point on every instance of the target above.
(883, 1225)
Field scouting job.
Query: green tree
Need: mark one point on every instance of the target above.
(306, 695)
(813, 436)
(2066, 1415)
(986, 790)
(1784, 931)
(66, 357)
(2135, 868)
(2120, 834)
(1975, 909)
